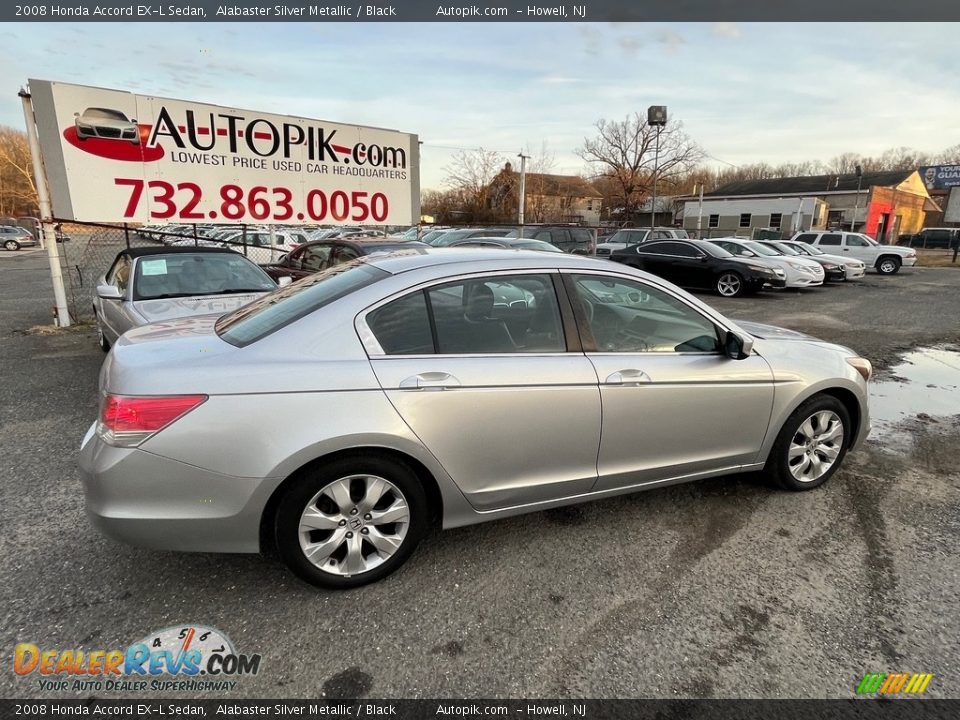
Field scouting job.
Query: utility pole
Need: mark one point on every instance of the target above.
(856, 206)
(46, 214)
(523, 189)
(657, 117)
(700, 211)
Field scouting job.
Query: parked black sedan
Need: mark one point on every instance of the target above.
(700, 265)
(317, 255)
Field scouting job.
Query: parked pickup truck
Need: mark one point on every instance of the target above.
(885, 259)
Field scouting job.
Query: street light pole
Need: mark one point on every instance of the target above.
(523, 190)
(656, 117)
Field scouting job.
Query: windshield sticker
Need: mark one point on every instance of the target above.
(153, 267)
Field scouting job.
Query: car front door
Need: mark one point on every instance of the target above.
(480, 371)
(855, 246)
(674, 405)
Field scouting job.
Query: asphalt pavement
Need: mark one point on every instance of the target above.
(720, 588)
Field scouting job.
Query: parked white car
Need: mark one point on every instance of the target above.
(263, 246)
(626, 237)
(801, 272)
(885, 259)
(853, 269)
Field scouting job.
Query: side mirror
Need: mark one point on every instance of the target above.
(736, 347)
(284, 281)
(702, 258)
(109, 292)
(748, 253)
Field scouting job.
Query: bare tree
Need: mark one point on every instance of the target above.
(470, 173)
(18, 193)
(625, 149)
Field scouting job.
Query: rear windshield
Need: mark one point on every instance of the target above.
(278, 309)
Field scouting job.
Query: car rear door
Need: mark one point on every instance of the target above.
(674, 405)
(510, 413)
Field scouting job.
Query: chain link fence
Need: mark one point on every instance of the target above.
(87, 251)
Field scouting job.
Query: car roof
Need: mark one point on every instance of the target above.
(485, 259)
(137, 252)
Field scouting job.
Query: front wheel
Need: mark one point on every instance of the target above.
(888, 265)
(811, 445)
(11, 245)
(730, 284)
(351, 522)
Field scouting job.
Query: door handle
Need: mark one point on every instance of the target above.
(430, 381)
(628, 378)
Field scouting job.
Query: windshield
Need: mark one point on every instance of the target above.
(811, 249)
(784, 248)
(189, 274)
(628, 237)
(714, 250)
(761, 249)
(276, 310)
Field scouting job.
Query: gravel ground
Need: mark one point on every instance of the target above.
(721, 588)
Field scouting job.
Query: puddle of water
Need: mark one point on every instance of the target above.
(926, 383)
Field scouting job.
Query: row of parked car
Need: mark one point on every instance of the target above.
(221, 267)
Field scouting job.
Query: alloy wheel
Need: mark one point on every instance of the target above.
(354, 524)
(888, 266)
(729, 284)
(11, 245)
(815, 446)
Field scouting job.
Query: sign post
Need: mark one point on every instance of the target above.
(47, 228)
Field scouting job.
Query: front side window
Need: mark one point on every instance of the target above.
(856, 241)
(504, 314)
(628, 316)
(315, 258)
(120, 275)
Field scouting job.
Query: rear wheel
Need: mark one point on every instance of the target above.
(351, 522)
(730, 284)
(811, 445)
(11, 245)
(888, 265)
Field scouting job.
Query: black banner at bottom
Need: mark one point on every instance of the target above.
(860, 709)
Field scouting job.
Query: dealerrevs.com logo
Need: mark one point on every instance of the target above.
(191, 658)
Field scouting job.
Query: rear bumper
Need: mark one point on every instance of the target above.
(150, 501)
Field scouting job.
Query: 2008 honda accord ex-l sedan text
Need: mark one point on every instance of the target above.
(338, 418)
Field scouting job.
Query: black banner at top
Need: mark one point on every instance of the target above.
(491, 11)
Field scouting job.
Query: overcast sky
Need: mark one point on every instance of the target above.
(747, 93)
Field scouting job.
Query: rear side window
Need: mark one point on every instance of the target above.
(830, 239)
(403, 326)
(278, 309)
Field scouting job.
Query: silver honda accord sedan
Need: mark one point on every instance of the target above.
(336, 419)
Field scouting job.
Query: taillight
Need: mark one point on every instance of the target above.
(126, 421)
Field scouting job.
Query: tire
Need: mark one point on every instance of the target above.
(888, 265)
(11, 245)
(345, 555)
(798, 439)
(730, 284)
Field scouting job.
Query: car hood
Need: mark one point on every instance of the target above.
(839, 259)
(170, 308)
(772, 332)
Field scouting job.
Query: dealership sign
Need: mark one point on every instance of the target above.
(112, 156)
(940, 177)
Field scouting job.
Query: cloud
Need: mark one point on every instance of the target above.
(671, 40)
(559, 80)
(727, 30)
(630, 44)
